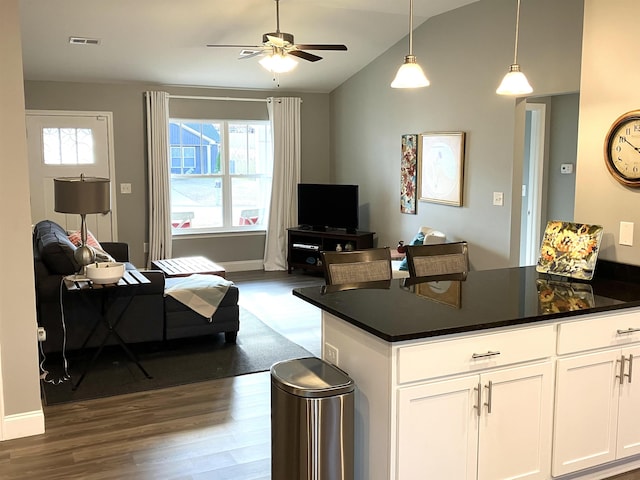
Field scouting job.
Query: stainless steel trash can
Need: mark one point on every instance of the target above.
(311, 421)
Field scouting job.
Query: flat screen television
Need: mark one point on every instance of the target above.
(322, 206)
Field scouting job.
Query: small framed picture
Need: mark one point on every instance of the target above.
(409, 173)
(441, 167)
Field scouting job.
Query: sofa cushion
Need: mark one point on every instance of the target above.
(56, 252)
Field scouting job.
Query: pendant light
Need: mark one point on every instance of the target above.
(515, 82)
(410, 75)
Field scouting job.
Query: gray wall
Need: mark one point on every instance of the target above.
(127, 104)
(563, 148)
(465, 54)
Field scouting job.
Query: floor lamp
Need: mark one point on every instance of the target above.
(82, 195)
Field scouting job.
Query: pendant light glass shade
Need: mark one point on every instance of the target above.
(410, 75)
(278, 63)
(515, 82)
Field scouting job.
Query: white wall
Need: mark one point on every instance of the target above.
(20, 405)
(609, 88)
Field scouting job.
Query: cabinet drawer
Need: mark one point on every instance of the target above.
(471, 353)
(604, 331)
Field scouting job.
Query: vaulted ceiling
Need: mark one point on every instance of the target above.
(164, 41)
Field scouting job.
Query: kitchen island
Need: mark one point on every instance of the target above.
(507, 374)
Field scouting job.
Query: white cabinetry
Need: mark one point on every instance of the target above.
(597, 419)
(494, 424)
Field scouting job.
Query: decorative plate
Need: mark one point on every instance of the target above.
(556, 297)
(570, 249)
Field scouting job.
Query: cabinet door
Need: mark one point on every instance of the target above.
(515, 423)
(586, 411)
(437, 430)
(629, 415)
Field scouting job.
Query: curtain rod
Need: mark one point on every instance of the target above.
(234, 99)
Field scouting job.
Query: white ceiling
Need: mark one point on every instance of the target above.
(163, 41)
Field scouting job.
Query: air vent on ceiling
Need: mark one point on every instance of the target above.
(83, 41)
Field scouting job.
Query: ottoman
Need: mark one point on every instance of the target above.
(182, 322)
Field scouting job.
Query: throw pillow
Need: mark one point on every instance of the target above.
(417, 240)
(101, 254)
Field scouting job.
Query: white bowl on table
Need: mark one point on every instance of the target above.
(105, 272)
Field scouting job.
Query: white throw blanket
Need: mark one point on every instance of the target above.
(201, 293)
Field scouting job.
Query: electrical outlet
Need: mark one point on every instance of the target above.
(331, 354)
(145, 247)
(42, 334)
(125, 188)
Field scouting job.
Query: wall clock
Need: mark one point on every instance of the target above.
(622, 149)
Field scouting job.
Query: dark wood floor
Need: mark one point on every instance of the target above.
(212, 430)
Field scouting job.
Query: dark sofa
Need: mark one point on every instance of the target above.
(150, 316)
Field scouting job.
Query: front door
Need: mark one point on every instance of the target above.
(68, 144)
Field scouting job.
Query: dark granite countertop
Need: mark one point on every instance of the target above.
(485, 299)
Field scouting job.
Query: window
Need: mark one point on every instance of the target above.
(67, 146)
(220, 175)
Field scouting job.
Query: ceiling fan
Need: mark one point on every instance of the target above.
(278, 47)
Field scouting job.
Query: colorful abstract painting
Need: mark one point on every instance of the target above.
(570, 249)
(409, 173)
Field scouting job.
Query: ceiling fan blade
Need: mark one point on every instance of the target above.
(253, 47)
(305, 55)
(341, 48)
(246, 53)
(276, 41)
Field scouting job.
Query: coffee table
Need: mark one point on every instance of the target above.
(185, 266)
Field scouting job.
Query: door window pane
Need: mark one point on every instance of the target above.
(67, 146)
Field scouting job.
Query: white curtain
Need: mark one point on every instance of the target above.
(157, 110)
(284, 114)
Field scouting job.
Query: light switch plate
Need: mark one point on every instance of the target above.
(125, 188)
(498, 198)
(626, 233)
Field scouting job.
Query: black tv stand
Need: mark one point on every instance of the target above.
(305, 245)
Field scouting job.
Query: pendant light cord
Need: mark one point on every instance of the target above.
(411, 27)
(515, 52)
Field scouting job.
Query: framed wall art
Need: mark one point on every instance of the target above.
(409, 173)
(441, 167)
(448, 292)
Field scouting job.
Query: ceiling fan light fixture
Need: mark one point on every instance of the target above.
(278, 63)
(410, 75)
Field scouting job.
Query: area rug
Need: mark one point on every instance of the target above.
(175, 363)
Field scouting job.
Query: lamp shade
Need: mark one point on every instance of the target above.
(514, 83)
(410, 75)
(278, 63)
(82, 195)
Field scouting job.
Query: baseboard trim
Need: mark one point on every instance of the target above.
(243, 266)
(24, 424)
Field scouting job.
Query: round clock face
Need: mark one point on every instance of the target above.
(622, 149)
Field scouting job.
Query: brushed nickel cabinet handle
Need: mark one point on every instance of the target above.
(475, 356)
(489, 388)
(630, 374)
(621, 375)
(627, 331)
(478, 406)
